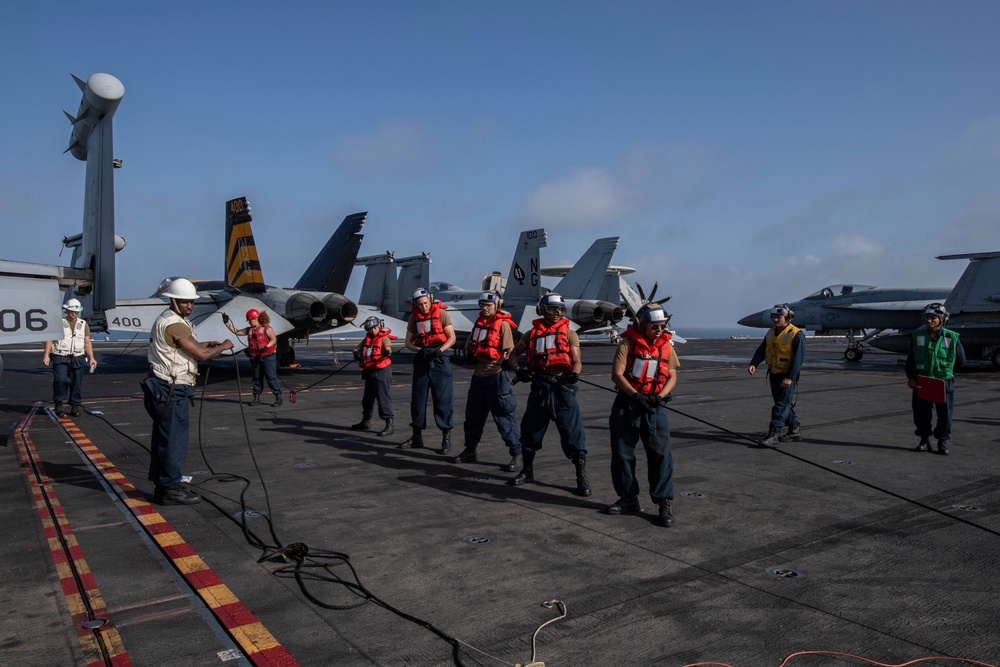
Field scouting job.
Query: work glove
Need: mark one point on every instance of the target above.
(668, 398)
(357, 355)
(432, 352)
(524, 375)
(570, 378)
(225, 318)
(653, 401)
(640, 404)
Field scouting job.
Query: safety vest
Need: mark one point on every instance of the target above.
(485, 338)
(257, 341)
(548, 347)
(935, 358)
(646, 367)
(778, 350)
(373, 357)
(170, 364)
(427, 329)
(71, 344)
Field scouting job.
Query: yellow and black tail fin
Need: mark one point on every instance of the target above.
(242, 264)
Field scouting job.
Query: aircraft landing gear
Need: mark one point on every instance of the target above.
(286, 354)
(853, 354)
(995, 357)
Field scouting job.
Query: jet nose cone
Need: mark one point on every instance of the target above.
(759, 319)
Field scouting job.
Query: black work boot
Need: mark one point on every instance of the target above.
(59, 409)
(363, 425)
(527, 473)
(277, 400)
(771, 438)
(582, 483)
(467, 455)
(175, 495)
(387, 430)
(923, 446)
(415, 441)
(255, 401)
(446, 441)
(943, 447)
(75, 411)
(515, 463)
(624, 505)
(666, 517)
(793, 435)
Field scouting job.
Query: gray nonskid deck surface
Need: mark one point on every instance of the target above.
(845, 542)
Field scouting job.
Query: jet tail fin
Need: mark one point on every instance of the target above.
(524, 278)
(585, 279)
(242, 263)
(414, 272)
(979, 287)
(379, 289)
(331, 270)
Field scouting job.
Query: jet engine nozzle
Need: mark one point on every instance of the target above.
(339, 308)
(299, 308)
(612, 314)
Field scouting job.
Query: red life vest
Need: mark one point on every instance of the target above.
(646, 366)
(372, 355)
(427, 329)
(548, 347)
(257, 342)
(485, 338)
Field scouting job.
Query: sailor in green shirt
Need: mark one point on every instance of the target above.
(934, 352)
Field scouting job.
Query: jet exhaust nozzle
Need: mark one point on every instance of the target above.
(339, 308)
(299, 308)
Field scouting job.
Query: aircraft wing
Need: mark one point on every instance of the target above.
(31, 303)
(881, 305)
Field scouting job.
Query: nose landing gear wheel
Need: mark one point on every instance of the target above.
(853, 354)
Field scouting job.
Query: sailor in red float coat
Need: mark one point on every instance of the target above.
(431, 335)
(262, 345)
(490, 391)
(645, 372)
(553, 367)
(373, 354)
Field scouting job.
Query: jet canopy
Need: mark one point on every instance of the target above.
(839, 290)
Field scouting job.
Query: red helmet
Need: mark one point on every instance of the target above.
(252, 314)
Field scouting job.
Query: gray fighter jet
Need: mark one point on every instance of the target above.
(974, 307)
(861, 312)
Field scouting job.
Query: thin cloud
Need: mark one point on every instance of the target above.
(393, 147)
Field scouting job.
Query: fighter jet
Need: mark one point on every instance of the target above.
(974, 308)
(314, 305)
(856, 309)
(33, 293)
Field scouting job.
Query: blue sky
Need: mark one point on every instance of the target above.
(745, 152)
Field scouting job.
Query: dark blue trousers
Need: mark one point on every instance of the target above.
(783, 412)
(629, 425)
(67, 378)
(433, 376)
(377, 386)
(923, 414)
(169, 407)
(492, 395)
(551, 400)
(265, 368)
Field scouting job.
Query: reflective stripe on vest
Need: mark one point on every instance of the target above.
(485, 338)
(548, 346)
(373, 355)
(427, 329)
(935, 358)
(646, 367)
